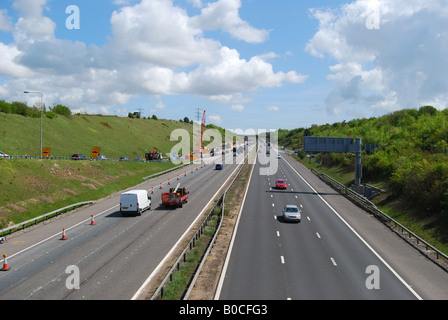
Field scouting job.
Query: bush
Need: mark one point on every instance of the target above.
(50, 115)
(62, 110)
(19, 108)
(5, 107)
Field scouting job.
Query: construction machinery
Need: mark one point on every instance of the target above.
(153, 155)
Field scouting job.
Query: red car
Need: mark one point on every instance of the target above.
(280, 184)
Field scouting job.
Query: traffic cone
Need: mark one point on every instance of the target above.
(5, 264)
(161, 185)
(169, 182)
(92, 221)
(178, 177)
(63, 234)
(185, 173)
(152, 192)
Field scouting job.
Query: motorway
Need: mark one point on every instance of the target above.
(117, 255)
(337, 251)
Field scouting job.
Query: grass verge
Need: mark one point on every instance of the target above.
(433, 226)
(176, 288)
(30, 188)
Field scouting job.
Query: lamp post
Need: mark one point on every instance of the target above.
(41, 111)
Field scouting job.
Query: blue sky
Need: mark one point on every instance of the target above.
(251, 64)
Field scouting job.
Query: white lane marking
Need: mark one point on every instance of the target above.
(318, 235)
(171, 252)
(278, 234)
(360, 238)
(334, 262)
(232, 241)
(282, 259)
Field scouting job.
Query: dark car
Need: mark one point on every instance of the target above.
(218, 166)
(78, 156)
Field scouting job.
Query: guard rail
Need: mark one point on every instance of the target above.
(34, 221)
(370, 207)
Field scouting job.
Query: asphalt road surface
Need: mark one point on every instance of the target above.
(337, 251)
(115, 256)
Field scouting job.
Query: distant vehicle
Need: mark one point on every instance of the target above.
(153, 155)
(291, 213)
(279, 156)
(4, 155)
(219, 166)
(268, 152)
(101, 158)
(134, 202)
(78, 156)
(280, 184)
(175, 197)
(124, 159)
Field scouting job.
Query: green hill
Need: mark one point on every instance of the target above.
(115, 136)
(29, 188)
(409, 161)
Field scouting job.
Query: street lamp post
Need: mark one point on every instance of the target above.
(41, 112)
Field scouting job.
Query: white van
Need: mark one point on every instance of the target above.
(134, 202)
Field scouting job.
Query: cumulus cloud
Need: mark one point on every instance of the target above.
(399, 61)
(5, 21)
(237, 108)
(273, 108)
(224, 15)
(156, 48)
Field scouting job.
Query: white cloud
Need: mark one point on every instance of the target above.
(156, 48)
(237, 108)
(5, 21)
(215, 119)
(32, 25)
(273, 108)
(401, 64)
(224, 15)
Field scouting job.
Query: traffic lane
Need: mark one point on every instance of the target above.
(84, 252)
(309, 270)
(254, 265)
(428, 279)
(346, 250)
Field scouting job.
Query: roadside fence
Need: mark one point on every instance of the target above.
(429, 250)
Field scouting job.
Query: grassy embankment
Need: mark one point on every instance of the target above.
(410, 162)
(30, 188)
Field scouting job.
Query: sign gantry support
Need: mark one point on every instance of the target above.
(336, 144)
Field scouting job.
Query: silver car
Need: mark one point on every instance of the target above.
(291, 213)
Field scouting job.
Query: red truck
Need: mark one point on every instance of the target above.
(175, 197)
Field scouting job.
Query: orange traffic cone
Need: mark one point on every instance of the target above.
(161, 185)
(92, 221)
(63, 234)
(152, 192)
(5, 264)
(169, 182)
